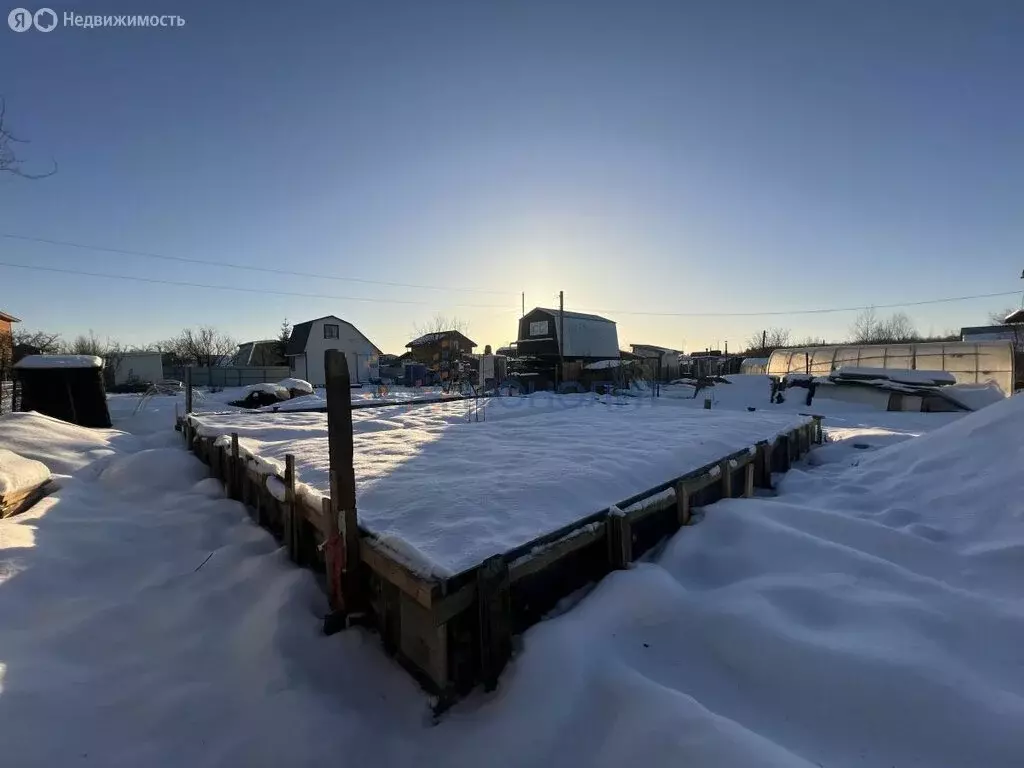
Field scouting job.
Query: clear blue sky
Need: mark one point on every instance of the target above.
(641, 156)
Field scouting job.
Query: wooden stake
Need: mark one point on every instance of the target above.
(682, 504)
(748, 480)
(343, 480)
(620, 539)
(726, 471)
(233, 469)
(188, 390)
(288, 523)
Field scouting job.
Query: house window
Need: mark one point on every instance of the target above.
(539, 328)
(330, 331)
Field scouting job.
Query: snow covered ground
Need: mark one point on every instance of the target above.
(868, 615)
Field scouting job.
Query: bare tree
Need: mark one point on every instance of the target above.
(204, 345)
(9, 160)
(439, 323)
(45, 343)
(998, 317)
(764, 343)
(868, 328)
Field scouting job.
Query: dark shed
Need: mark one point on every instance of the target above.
(67, 387)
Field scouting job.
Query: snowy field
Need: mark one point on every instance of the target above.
(870, 614)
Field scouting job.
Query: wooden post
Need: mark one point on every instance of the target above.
(682, 503)
(493, 594)
(783, 447)
(346, 592)
(726, 469)
(748, 479)
(233, 469)
(763, 478)
(188, 390)
(288, 525)
(620, 539)
(818, 433)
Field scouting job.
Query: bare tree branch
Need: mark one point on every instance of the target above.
(439, 323)
(9, 160)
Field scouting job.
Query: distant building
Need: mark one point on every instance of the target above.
(5, 323)
(311, 339)
(587, 337)
(668, 358)
(260, 354)
(1014, 333)
(440, 351)
(135, 368)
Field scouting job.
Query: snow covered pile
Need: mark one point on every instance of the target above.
(18, 474)
(63, 447)
(296, 387)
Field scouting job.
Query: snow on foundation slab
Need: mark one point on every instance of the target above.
(457, 493)
(59, 361)
(18, 474)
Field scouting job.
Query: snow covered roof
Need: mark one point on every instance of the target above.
(300, 335)
(574, 315)
(430, 338)
(9, 318)
(1017, 316)
(59, 361)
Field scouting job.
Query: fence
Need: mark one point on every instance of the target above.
(223, 376)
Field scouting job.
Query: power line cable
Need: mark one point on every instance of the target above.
(241, 289)
(247, 267)
(768, 313)
(820, 311)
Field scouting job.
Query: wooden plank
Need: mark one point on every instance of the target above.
(549, 553)
(620, 539)
(343, 480)
(415, 586)
(422, 642)
(494, 600)
(748, 480)
(389, 617)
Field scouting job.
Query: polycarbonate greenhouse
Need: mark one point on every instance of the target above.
(970, 362)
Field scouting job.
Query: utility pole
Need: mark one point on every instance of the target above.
(523, 314)
(561, 334)
(764, 340)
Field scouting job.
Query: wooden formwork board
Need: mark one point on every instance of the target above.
(454, 633)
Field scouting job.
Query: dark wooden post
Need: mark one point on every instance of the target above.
(188, 390)
(726, 470)
(493, 592)
(620, 539)
(345, 524)
(682, 503)
(233, 469)
(288, 523)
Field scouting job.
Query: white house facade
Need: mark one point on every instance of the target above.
(310, 340)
